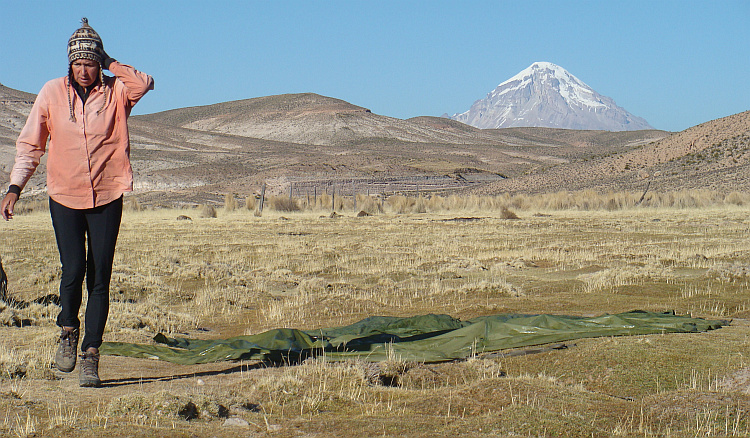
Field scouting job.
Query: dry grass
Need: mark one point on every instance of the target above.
(585, 200)
(237, 273)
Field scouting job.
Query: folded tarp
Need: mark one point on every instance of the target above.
(425, 338)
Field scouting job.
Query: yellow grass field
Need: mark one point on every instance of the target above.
(243, 273)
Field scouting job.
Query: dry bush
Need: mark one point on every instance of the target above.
(251, 202)
(311, 387)
(435, 204)
(419, 206)
(323, 202)
(132, 204)
(26, 206)
(149, 315)
(31, 314)
(685, 199)
(488, 289)
(729, 272)
(343, 202)
(208, 211)
(737, 198)
(187, 405)
(230, 203)
(30, 363)
(284, 204)
(505, 213)
(369, 204)
(585, 200)
(611, 278)
(400, 204)
(590, 200)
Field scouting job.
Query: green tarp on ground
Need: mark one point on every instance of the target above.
(425, 338)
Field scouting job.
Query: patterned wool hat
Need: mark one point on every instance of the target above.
(85, 43)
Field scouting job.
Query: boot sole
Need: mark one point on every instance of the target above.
(64, 369)
(91, 384)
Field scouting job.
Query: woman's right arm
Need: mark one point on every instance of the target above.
(30, 146)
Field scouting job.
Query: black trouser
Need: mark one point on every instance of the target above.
(100, 226)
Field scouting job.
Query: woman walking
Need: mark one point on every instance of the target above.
(84, 116)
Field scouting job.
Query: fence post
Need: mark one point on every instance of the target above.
(333, 197)
(354, 195)
(262, 197)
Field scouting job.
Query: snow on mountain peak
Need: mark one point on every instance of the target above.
(545, 94)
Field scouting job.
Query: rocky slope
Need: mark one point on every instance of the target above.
(714, 155)
(197, 154)
(14, 108)
(312, 119)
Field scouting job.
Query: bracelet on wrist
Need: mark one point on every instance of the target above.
(14, 189)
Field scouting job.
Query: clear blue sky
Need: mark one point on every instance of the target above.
(675, 63)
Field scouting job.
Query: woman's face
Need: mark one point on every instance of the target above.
(85, 71)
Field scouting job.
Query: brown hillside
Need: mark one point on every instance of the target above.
(307, 140)
(312, 119)
(714, 155)
(14, 108)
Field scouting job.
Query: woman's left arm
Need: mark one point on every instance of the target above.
(136, 83)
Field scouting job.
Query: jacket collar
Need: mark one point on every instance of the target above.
(84, 92)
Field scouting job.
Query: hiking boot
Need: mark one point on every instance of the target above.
(65, 358)
(88, 371)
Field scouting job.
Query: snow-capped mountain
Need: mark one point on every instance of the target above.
(547, 95)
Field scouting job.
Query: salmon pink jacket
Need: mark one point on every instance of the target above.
(88, 162)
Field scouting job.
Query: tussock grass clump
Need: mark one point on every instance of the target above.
(506, 205)
(369, 204)
(151, 316)
(251, 203)
(169, 405)
(312, 387)
(207, 211)
(29, 314)
(505, 213)
(132, 204)
(737, 198)
(284, 204)
(27, 206)
(612, 278)
(322, 202)
(498, 287)
(585, 200)
(400, 204)
(26, 363)
(230, 202)
(730, 272)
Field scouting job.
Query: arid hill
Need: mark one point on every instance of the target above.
(315, 120)
(714, 155)
(309, 142)
(14, 108)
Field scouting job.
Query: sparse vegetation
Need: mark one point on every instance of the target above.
(230, 202)
(576, 253)
(284, 203)
(585, 200)
(208, 211)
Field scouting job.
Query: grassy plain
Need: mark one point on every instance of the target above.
(241, 273)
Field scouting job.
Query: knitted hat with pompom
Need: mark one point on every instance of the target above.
(85, 43)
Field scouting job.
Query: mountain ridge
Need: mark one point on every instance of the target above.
(188, 155)
(546, 95)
